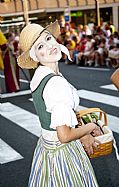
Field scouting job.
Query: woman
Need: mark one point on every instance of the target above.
(59, 159)
(11, 69)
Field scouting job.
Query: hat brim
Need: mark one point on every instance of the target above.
(24, 60)
(54, 29)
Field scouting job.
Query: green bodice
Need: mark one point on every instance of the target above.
(44, 116)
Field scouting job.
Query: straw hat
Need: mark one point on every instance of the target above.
(28, 37)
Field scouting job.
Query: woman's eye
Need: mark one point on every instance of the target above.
(40, 46)
(48, 38)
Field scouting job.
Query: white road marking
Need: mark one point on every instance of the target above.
(99, 97)
(7, 153)
(7, 95)
(31, 99)
(25, 81)
(95, 69)
(109, 87)
(21, 80)
(24, 119)
(21, 117)
(2, 76)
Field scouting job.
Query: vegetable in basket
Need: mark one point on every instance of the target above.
(92, 117)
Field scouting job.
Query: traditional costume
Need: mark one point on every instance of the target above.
(11, 69)
(55, 164)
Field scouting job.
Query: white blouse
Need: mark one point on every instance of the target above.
(61, 100)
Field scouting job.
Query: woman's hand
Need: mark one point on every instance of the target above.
(67, 134)
(96, 132)
(89, 142)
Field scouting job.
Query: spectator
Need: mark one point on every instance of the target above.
(101, 53)
(89, 47)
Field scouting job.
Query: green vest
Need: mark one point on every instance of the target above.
(44, 116)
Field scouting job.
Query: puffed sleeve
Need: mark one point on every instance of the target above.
(61, 100)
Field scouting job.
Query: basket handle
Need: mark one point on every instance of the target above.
(90, 110)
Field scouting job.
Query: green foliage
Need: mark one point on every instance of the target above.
(92, 117)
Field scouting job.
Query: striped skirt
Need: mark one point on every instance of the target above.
(61, 165)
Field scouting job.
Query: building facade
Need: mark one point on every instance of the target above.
(45, 11)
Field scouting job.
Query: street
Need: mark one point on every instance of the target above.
(20, 128)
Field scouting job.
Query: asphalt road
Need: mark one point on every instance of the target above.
(95, 90)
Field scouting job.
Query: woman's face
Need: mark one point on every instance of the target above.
(47, 49)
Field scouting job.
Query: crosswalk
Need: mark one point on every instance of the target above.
(7, 153)
(99, 97)
(109, 87)
(21, 117)
(27, 120)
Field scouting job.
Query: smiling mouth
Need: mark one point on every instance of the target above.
(53, 51)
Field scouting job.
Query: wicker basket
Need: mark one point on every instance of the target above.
(106, 139)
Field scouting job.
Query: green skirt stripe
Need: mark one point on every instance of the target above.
(61, 165)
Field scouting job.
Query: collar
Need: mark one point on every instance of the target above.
(39, 74)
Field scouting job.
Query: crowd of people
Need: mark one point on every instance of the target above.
(96, 46)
